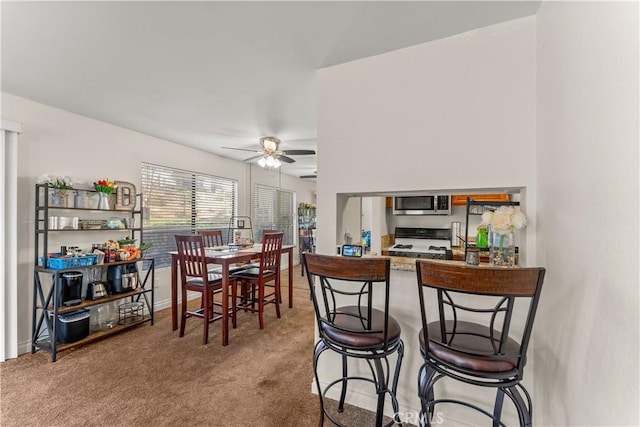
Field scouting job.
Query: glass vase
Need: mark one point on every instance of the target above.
(104, 201)
(502, 248)
(58, 198)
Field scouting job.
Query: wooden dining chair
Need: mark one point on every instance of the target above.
(213, 238)
(195, 277)
(267, 275)
(255, 263)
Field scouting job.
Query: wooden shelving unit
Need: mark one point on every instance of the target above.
(47, 282)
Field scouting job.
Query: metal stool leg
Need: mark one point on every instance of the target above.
(343, 392)
(523, 411)
(320, 347)
(381, 390)
(497, 408)
(396, 377)
(426, 380)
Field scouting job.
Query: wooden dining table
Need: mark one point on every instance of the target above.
(225, 258)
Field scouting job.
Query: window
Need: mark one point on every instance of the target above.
(273, 210)
(182, 202)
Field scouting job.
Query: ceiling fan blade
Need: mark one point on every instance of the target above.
(308, 176)
(299, 152)
(241, 149)
(253, 158)
(286, 159)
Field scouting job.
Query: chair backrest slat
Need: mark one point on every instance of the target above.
(271, 251)
(191, 255)
(211, 238)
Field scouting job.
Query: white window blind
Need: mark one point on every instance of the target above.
(273, 210)
(183, 202)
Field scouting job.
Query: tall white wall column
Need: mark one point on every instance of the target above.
(8, 238)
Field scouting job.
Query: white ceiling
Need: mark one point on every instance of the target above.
(213, 74)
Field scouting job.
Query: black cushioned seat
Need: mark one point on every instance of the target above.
(232, 269)
(251, 272)
(347, 329)
(211, 276)
(470, 338)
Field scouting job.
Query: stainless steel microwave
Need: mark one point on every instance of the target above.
(422, 205)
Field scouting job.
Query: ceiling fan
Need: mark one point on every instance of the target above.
(270, 155)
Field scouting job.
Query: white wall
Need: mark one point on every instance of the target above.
(429, 117)
(453, 114)
(58, 142)
(587, 329)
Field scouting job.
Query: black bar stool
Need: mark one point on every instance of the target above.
(466, 332)
(354, 328)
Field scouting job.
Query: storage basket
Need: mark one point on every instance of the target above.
(130, 312)
(71, 262)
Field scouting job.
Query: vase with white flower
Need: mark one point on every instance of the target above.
(105, 189)
(501, 225)
(59, 186)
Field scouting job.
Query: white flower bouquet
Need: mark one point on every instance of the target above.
(56, 181)
(504, 219)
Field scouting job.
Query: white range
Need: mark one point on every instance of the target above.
(433, 243)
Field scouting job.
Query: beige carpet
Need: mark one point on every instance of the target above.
(150, 376)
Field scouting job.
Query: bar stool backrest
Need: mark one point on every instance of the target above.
(346, 289)
(476, 307)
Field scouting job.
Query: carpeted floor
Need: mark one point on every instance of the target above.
(150, 376)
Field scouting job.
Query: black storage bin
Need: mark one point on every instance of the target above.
(73, 326)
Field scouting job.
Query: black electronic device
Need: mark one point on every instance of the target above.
(122, 278)
(71, 288)
(352, 250)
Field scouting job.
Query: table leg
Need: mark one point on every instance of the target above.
(174, 292)
(291, 278)
(225, 303)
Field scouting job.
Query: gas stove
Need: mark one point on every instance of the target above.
(431, 243)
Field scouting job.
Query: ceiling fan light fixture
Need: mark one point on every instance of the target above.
(270, 143)
(262, 162)
(270, 161)
(276, 163)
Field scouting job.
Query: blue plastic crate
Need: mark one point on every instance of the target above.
(72, 262)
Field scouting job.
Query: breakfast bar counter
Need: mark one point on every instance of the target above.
(409, 264)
